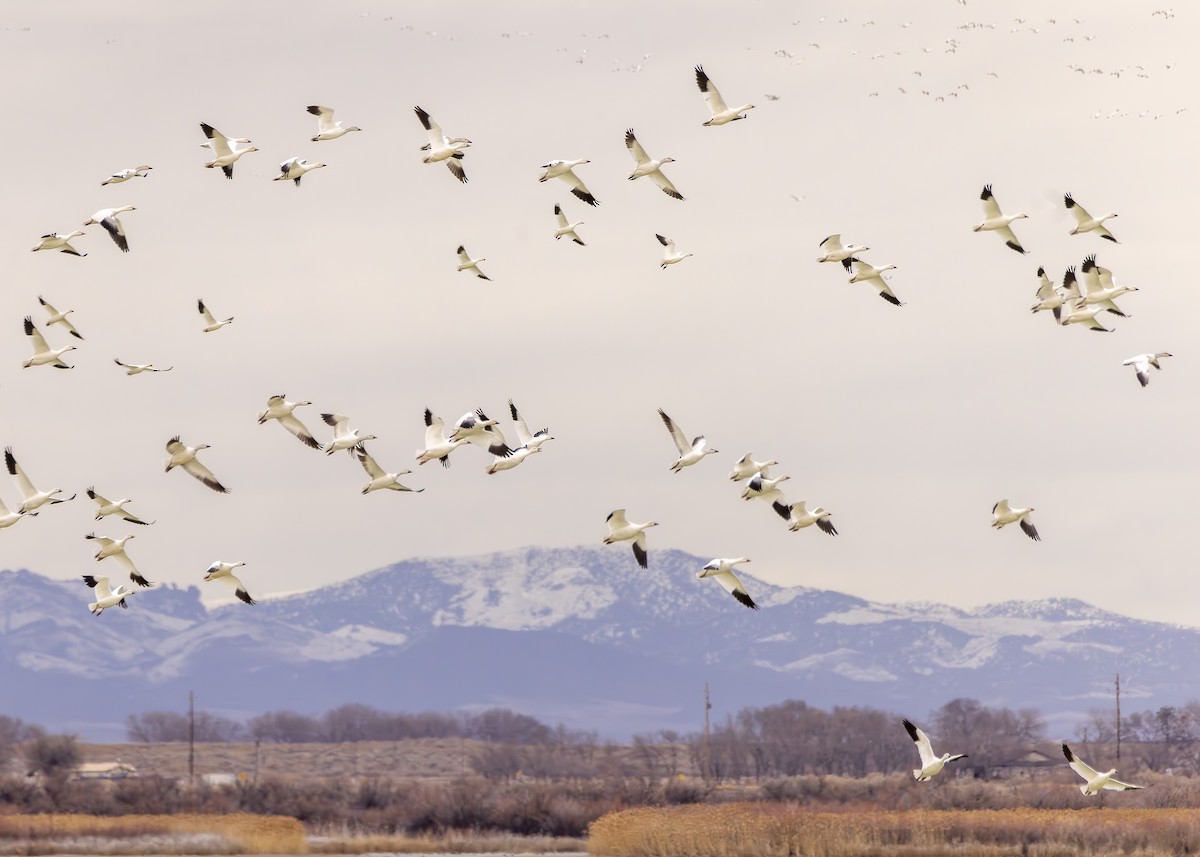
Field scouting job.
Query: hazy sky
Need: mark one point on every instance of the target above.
(908, 423)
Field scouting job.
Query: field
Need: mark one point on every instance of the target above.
(755, 830)
(237, 833)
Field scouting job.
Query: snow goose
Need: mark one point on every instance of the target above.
(106, 597)
(746, 466)
(690, 452)
(1048, 297)
(1079, 312)
(1084, 222)
(995, 221)
(223, 571)
(114, 507)
(43, 354)
(437, 446)
(514, 457)
(224, 149)
(31, 498)
(565, 170)
(115, 548)
(62, 243)
(294, 169)
(799, 517)
(1003, 514)
(380, 478)
(670, 254)
(930, 763)
(721, 114)
(721, 570)
(530, 439)
(765, 488)
(210, 322)
(1099, 287)
(1141, 364)
(836, 252)
(343, 437)
(566, 228)
(872, 275)
(466, 263)
(442, 148)
(9, 517)
(327, 129)
(1095, 781)
(481, 430)
(107, 217)
(279, 408)
(57, 317)
(139, 368)
(184, 456)
(621, 530)
(126, 175)
(647, 166)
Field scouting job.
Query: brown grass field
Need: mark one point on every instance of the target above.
(238, 833)
(757, 830)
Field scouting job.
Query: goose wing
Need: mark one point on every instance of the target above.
(639, 549)
(134, 574)
(734, 587)
(204, 312)
(1046, 290)
(117, 231)
(239, 588)
(463, 255)
(579, 188)
(924, 748)
(1010, 239)
(435, 430)
(35, 336)
(1078, 766)
(991, 208)
(716, 104)
(15, 470)
(205, 475)
(665, 183)
(368, 463)
(617, 520)
(1119, 786)
(523, 433)
(454, 165)
(563, 223)
(681, 441)
(292, 423)
(1081, 213)
(436, 138)
(666, 242)
(100, 584)
(1029, 529)
(324, 117)
(218, 141)
(635, 148)
(340, 422)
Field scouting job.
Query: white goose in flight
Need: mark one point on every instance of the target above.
(565, 170)
(864, 272)
(647, 166)
(9, 517)
(621, 530)
(223, 571)
(43, 354)
(107, 217)
(1084, 222)
(343, 437)
(481, 430)
(670, 254)
(442, 148)
(106, 597)
(996, 221)
(210, 321)
(57, 241)
(1079, 312)
(108, 507)
(437, 446)
(721, 113)
(566, 229)
(139, 368)
(57, 317)
(533, 440)
(280, 409)
(184, 456)
(721, 570)
(800, 517)
(126, 175)
(294, 169)
(1095, 781)
(1003, 514)
(514, 457)
(1142, 362)
(224, 149)
(746, 466)
(1048, 297)
(327, 129)
(380, 479)
(690, 452)
(765, 488)
(466, 263)
(1099, 287)
(31, 498)
(931, 765)
(835, 251)
(115, 548)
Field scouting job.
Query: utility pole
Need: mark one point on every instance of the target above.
(191, 738)
(707, 739)
(257, 755)
(1118, 717)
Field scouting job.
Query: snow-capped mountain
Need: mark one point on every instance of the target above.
(580, 636)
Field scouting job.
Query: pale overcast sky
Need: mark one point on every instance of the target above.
(908, 423)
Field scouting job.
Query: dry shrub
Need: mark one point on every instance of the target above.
(760, 830)
(239, 833)
(452, 843)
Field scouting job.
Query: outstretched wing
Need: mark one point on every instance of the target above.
(218, 141)
(324, 117)
(991, 208)
(924, 748)
(716, 104)
(734, 587)
(1080, 767)
(681, 441)
(368, 463)
(205, 475)
(35, 336)
(635, 148)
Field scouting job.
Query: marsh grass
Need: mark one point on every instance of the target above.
(235, 833)
(451, 843)
(758, 830)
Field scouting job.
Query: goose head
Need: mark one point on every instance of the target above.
(77, 233)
